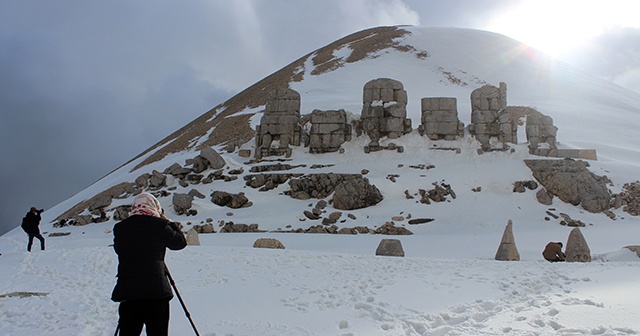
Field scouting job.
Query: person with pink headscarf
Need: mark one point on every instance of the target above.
(142, 287)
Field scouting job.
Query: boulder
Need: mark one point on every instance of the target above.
(233, 201)
(389, 228)
(182, 203)
(577, 248)
(122, 212)
(507, 249)
(390, 247)
(356, 193)
(269, 243)
(157, 180)
(215, 160)
(196, 193)
(544, 197)
(206, 228)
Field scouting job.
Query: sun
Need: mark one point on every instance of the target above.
(556, 27)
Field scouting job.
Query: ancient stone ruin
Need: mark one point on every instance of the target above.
(280, 123)
(490, 118)
(507, 249)
(577, 248)
(329, 130)
(540, 130)
(384, 111)
(541, 135)
(390, 248)
(439, 119)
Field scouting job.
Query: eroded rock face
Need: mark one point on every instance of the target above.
(572, 182)
(384, 111)
(490, 117)
(280, 122)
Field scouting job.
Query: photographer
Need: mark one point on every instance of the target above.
(30, 225)
(142, 287)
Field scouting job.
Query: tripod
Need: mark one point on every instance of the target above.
(184, 307)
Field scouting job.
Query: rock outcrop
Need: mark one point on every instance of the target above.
(572, 182)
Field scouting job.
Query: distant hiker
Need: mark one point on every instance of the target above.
(553, 252)
(142, 287)
(30, 225)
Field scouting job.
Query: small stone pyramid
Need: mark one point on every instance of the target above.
(192, 238)
(507, 249)
(577, 248)
(390, 247)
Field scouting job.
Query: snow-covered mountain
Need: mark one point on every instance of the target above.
(449, 259)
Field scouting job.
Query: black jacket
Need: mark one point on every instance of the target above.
(30, 223)
(140, 242)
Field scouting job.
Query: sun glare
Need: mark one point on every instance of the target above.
(555, 27)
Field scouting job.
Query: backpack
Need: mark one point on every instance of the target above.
(25, 225)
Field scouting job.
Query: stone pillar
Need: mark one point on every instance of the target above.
(507, 249)
(577, 248)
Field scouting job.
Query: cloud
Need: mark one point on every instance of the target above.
(613, 55)
(87, 85)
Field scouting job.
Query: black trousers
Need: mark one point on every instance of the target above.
(37, 235)
(153, 313)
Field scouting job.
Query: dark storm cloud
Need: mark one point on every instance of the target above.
(86, 87)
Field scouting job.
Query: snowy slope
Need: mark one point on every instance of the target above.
(448, 284)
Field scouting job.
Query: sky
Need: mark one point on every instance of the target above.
(87, 85)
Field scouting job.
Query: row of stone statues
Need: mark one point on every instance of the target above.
(384, 114)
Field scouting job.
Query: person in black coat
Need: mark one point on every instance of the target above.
(30, 225)
(142, 287)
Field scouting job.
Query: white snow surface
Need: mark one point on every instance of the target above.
(447, 284)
